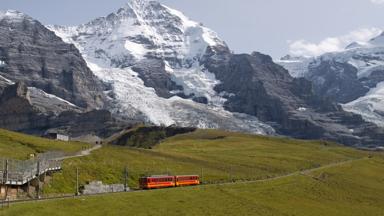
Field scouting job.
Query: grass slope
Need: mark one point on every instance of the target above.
(352, 189)
(216, 155)
(20, 146)
(147, 137)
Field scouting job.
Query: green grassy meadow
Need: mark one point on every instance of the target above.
(215, 155)
(352, 189)
(20, 146)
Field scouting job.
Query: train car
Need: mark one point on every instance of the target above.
(187, 180)
(155, 182)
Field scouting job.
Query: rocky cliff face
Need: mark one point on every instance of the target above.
(36, 56)
(255, 85)
(337, 81)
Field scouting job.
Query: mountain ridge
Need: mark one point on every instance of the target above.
(352, 77)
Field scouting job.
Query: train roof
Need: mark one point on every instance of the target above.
(165, 176)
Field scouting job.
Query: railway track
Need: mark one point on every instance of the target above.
(302, 172)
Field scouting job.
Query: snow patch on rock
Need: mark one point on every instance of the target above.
(7, 81)
(50, 96)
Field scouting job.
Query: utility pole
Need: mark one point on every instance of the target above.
(201, 176)
(77, 181)
(6, 171)
(38, 180)
(126, 179)
(6, 178)
(230, 174)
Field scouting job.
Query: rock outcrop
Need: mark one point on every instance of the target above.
(16, 111)
(337, 81)
(20, 112)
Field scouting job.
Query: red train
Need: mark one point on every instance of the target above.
(155, 182)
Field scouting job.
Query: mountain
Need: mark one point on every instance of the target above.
(167, 69)
(148, 62)
(353, 77)
(151, 56)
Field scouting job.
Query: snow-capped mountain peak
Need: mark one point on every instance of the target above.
(146, 44)
(139, 3)
(141, 29)
(14, 16)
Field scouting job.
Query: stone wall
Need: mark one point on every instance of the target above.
(97, 187)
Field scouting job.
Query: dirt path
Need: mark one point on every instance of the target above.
(81, 153)
(302, 172)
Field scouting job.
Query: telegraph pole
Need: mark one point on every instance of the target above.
(6, 178)
(201, 176)
(38, 180)
(77, 181)
(126, 179)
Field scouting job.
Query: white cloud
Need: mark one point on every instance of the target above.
(377, 1)
(332, 44)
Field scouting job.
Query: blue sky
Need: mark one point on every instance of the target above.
(275, 27)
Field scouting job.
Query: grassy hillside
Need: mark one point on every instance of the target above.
(147, 137)
(352, 189)
(20, 146)
(216, 155)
